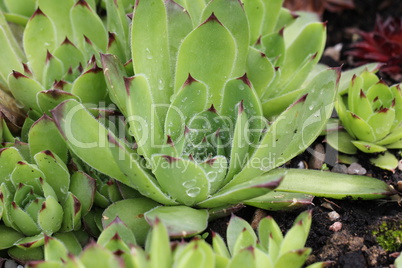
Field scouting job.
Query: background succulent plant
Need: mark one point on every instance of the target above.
(383, 44)
(117, 245)
(370, 112)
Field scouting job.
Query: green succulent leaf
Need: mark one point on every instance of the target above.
(114, 76)
(86, 23)
(192, 57)
(60, 16)
(276, 200)
(117, 227)
(25, 255)
(295, 128)
(36, 48)
(71, 214)
(44, 135)
(141, 112)
(231, 14)
(240, 235)
(8, 53)
(238, 193)
(180, 221)
(386, 161)
(8, 237)
(333, 185)
(131, 212)
(55, 171)
(55, 250)
(150, 51)
(178, 25)
(90, 87)
(191, 183)
(24, 89)
(50, 217)
(159, 247)
(190, 100)
(83, 187)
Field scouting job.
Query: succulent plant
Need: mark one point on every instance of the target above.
(201, 138)
(117, 246)
(38, 195)
(60, 56)
(383, 44)
(202, 145)
(319, 6)
(371, 113)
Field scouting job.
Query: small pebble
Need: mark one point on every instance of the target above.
(400, 165)
(340, 168)
(336, 226)
(333, 215)
(318, 157)
(357, 169)
(11, 264)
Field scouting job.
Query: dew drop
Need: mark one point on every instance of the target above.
(190, 183)
(241, 87)
(149, 55)
(311, 107)
(161, 84)
(211, 176)
(193, 192)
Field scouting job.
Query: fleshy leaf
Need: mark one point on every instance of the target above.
(131, 212)
(180, 221)
(192, 57)
(190, 185)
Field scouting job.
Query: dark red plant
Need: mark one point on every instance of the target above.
(384, 45)
(319, 6)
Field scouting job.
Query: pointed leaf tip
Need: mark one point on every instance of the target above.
(49, 153)
(49, 56)
(82, 3)
(170, 159)
(38, 12)
(189, 80)
(211, 18)
(67, 41)
(280, 32)
(271, 184)
(302, 99)
(112, 38)
(362, 95)
(88, 41)
(241, 107)
(245, 80)
(169, 141)
(18, 75)
(127, 83)
(212, 109)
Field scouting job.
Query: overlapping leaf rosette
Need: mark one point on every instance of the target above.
(39, 196)
(202, 143)
(371, 113)
(59, 58)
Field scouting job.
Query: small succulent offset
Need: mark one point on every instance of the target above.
(371, 113)
(384, 45)
(117, 247)
(38, 195)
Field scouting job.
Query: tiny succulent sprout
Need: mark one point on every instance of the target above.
(371, 114)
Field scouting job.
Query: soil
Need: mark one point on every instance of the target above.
(354, 244)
